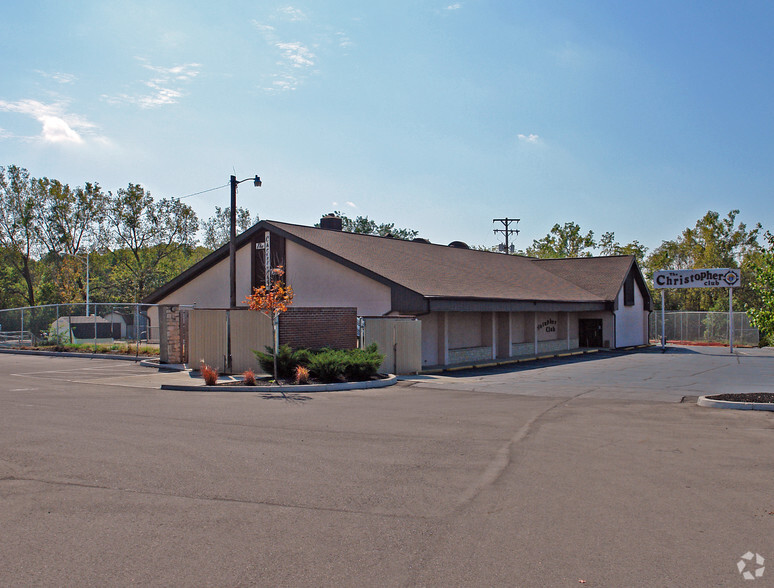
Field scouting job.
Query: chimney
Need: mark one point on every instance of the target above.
(331, 222)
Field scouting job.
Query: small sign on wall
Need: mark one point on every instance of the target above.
(547, 326)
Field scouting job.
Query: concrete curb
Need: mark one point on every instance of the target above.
(388, 381)
(164, 367)
(709, 403)
(76, 354)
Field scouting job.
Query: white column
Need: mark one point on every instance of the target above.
(445, 338)
(510, 334)
(534, 330)
(494, 335)
(663, 322)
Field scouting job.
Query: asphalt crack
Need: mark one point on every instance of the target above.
(222, 499)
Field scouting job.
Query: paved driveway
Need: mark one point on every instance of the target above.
(106, 481)
(644, 375)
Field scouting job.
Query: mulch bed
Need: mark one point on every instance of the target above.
(757, 397)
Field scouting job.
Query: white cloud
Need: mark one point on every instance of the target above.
(344, 41)
(284, 82)
(455, 6)
(296, 54)
(531, 138)
(292, 14)
(351, 204)
(181, 73)
(58, 126)
(165, 86)
(264, 28)
(60, 77)
(297, 46)
(56, 130)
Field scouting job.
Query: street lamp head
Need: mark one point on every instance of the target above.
(257, 182)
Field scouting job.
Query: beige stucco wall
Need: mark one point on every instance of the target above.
(631, 322)
(211, 289)
(465, 329)
(318, 281)
(522, 327)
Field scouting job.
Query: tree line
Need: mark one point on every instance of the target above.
(134, 243)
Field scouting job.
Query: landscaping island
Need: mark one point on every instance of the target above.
(747, 401)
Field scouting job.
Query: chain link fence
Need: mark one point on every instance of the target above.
(78, 324)
(703, 327)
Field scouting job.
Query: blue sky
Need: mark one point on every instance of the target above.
(633, 117)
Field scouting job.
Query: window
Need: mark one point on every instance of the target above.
(629, 290)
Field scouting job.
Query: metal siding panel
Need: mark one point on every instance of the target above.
(379, 331)
(403, 336)
(207, 338)
(409, 351)
(249, 330)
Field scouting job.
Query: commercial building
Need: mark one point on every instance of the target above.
(473, 305)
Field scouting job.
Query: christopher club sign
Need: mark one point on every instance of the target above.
(698, 278)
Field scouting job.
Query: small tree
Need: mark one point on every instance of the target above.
(762, 313)
(272, 302)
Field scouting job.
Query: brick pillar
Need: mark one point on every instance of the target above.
(170, 340)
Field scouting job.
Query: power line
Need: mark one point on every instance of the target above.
(203, 192)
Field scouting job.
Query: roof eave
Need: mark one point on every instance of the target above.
(469, 304)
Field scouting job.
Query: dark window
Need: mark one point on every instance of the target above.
(629, 290)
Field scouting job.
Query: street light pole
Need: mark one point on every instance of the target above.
(232, 239)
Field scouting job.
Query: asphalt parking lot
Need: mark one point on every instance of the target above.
(582, 472)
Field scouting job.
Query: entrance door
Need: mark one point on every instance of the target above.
(590, 332)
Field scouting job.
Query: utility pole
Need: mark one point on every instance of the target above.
(506, 230)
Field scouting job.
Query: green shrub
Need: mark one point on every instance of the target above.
(331, 365)
(327, 365)
(287, 360)
(362, 364)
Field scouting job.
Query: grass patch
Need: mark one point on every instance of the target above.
(118, 348)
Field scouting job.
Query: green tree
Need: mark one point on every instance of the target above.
(12, 286)
(712, 242)
(20, 214)
(365, 226)
(217, 228)
(70, 215)
(69, 227)
(144, 233)
(761, 311)
(563, 241)
(609, 246)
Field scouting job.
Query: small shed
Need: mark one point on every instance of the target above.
(85, 329)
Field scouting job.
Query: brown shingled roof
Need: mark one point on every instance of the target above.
(441, 271)
(603, 276)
